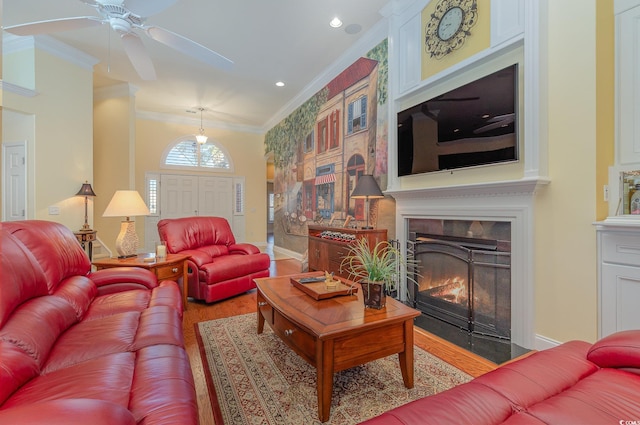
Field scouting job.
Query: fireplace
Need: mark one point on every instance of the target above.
(508, 204)
(463, 280)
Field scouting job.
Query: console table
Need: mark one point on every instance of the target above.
(329, 245)
(172, 267)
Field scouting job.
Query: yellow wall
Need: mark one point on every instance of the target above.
(246, 151)
(114, 144)
(57, 127)
(605, 102)
(565, 248)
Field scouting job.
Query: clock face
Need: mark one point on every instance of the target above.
(450, 23)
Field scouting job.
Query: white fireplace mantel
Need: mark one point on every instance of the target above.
(509, 201)
(525, 186)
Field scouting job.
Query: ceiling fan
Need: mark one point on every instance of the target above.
(124, 16)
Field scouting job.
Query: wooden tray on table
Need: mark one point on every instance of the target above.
(310, 284)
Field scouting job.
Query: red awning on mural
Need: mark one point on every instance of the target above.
(327, 178)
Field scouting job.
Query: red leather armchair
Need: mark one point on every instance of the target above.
(219, 267)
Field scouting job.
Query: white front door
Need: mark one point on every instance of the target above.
(178, 196)
(215, 197)
(14, 180)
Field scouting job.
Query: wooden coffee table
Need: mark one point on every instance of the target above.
(336, 333)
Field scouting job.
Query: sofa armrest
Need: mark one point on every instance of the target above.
(118, 279)
(68, 412)
(243, 248)
(619, 350)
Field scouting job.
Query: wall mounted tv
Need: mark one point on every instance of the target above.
(475, 124)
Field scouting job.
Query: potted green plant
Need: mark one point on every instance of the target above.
(377, 269)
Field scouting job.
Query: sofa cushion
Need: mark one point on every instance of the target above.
(79, 292)
(171, 402)
(546, 374)
(91, 339)
(621, 350)
(68, 412)
(16, 368)
(181, 234)
(28, 281)
(105, 378)
(229, 267)
(55, 246)
(607, 396)
(37, 324)
(118, 302)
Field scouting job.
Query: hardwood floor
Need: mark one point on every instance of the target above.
(246, 303)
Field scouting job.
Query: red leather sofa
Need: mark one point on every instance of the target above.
(219, 267)
(573, 383)
(86, 348)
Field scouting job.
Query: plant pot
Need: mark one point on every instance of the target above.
(373, 294)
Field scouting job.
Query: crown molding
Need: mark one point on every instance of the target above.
(13, 43)
(15, 89)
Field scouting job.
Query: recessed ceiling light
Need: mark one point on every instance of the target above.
(280, 84)
(335, 22)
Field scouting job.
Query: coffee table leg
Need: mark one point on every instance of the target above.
(324, 371)
(406, 357)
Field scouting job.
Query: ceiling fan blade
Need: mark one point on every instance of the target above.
(138, 56)
(189, 47)
(54, 25)
(146, 8)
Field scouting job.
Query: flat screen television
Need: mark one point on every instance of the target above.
(475, 124)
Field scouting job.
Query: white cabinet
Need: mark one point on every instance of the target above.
(618, 277)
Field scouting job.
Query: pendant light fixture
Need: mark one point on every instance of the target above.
(200, 137)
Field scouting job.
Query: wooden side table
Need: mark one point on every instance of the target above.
(86, 237)
(172, 267)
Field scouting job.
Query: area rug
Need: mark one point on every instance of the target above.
(257, 379)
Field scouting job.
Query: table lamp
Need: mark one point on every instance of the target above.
(86, 191)
(127, 203)
(367, 188)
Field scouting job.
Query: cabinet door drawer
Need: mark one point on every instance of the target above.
(297, 338)
(173, 271)
(621, 249)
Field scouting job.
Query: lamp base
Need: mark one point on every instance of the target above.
(127, 240)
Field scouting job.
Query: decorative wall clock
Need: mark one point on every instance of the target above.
(449, 26)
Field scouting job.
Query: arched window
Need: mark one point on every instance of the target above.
(187, 153)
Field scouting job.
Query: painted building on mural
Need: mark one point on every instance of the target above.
(314, 180)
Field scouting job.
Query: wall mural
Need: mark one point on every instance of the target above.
(325, 145)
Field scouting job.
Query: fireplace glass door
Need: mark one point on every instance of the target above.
(465, 284)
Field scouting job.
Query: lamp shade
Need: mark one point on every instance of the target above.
(126, 203)
(86, 190)
(367, 187)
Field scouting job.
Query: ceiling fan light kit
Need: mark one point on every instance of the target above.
(124, 17)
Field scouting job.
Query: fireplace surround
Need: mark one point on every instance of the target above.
(506, 202)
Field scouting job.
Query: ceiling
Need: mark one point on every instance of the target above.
(268, 41)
